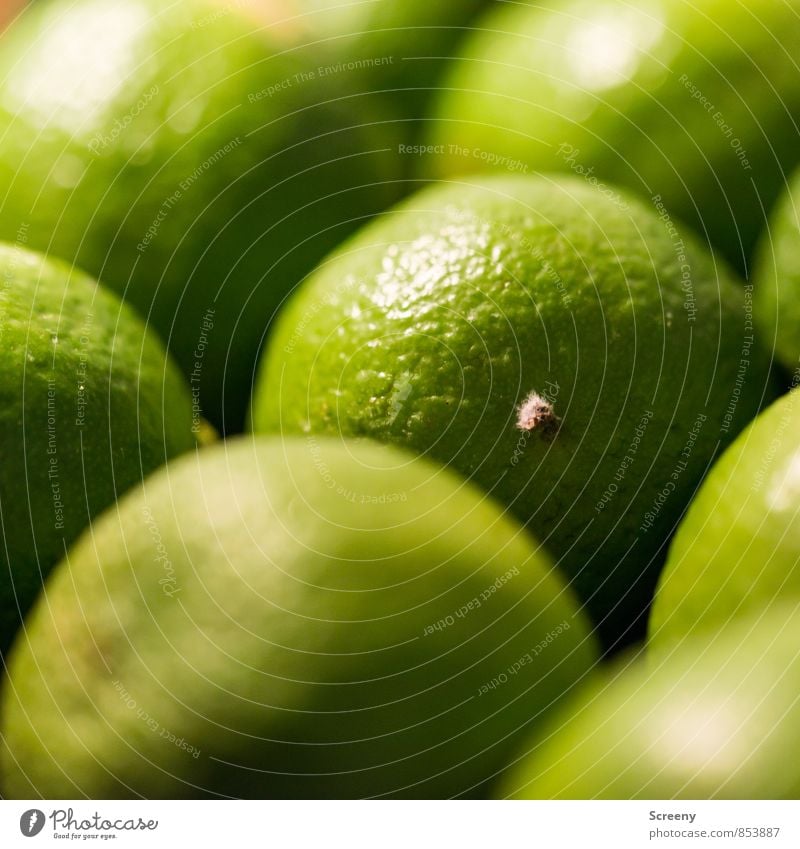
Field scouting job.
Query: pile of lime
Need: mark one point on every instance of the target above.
(387, 406)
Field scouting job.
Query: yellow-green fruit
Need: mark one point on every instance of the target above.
(290, 619)
(738, 548)
(718, 719)
(453, 324)
(693, 101)
(777, 277)
(397, 50)
(89, 403)
(189, 157)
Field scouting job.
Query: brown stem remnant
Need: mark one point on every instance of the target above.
(536, 413)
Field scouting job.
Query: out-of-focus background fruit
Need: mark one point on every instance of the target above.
(691, 101)
(64, 458)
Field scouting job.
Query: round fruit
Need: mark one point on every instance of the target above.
(83, 391)
(188, 158)
(290, 619)
(739, 546)
(777, 278)
(395, 49)
(692, 101)
(570, 350)
(718, 719)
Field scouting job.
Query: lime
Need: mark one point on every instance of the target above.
(290, 619)
(718, 719)
(691, 101)
(570, 350)
(397, 50)
(191, 160)
(777, 277)
(739, 546)
(84, 389)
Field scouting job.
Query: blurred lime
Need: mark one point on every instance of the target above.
(88, 404)
(398, 50)
(565, 347)
(290, 619)
(777, 277)
(739, 546)
(190, 159)
(716, 720)
(695, 101)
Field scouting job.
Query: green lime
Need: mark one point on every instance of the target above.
(717, 719)
(190, 159)
(296, 619)
(570, 350)
(777, 277)
(89, 403)
(692, 101)
(739, 546)
(397, 50)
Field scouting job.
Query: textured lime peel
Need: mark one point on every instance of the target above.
(485, 291)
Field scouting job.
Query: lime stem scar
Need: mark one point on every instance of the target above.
(536, 413)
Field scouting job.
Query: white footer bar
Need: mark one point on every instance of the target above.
(403, 825)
